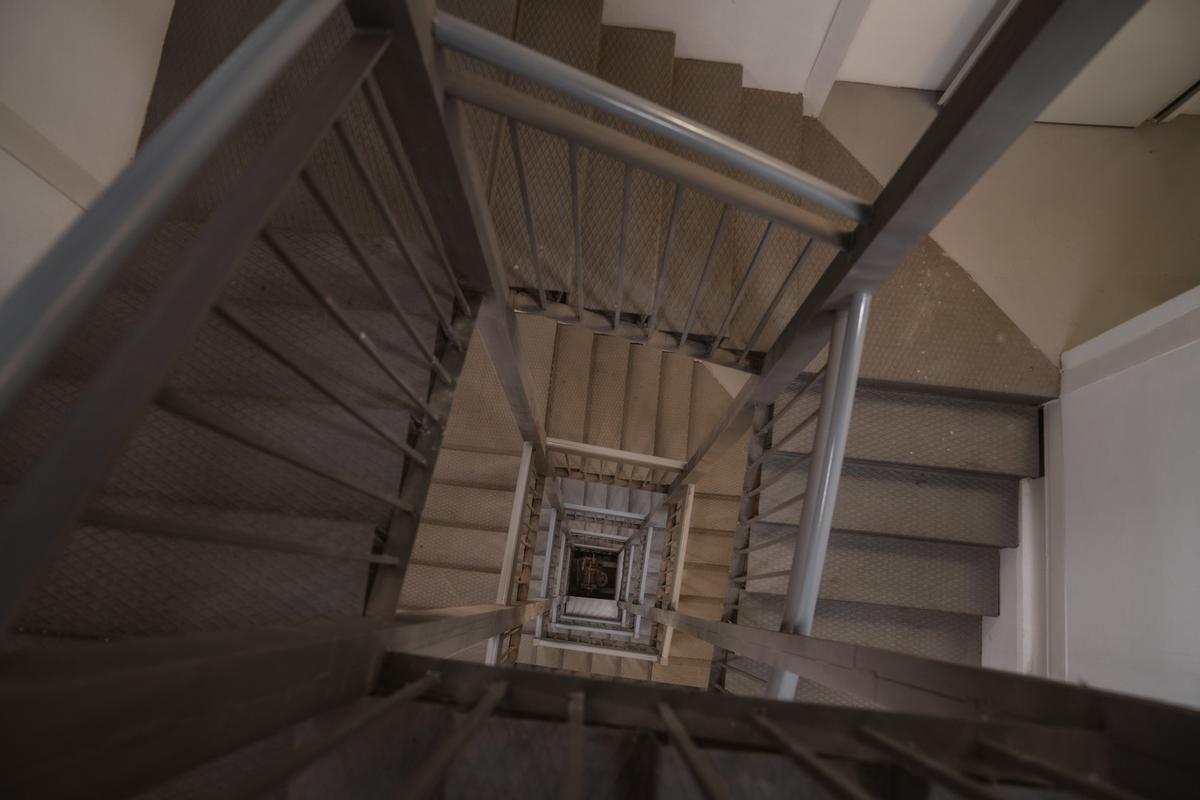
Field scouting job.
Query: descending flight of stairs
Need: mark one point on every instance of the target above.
(945, 423)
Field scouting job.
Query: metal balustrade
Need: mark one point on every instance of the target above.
(118, 717)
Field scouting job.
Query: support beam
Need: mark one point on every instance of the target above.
(834, 47)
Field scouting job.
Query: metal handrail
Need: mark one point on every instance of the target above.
(40, 310)
(480, 43)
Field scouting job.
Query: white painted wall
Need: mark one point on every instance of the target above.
(1076, 229)
(775, 41)
(1130, 494)
(913, 44)
(75, 80)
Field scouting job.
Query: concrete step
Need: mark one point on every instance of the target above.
(903, 502)
(928, 430)
(108, 582)
(886, 571)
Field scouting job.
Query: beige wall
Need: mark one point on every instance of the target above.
(75, 79)
(1076, 229)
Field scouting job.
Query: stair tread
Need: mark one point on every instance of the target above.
(482, 470)
(917, 504)
(107, 582)
(606, 395)
(570, 383)
(537, 335)
(888, 571)
(708, 92)
(920, 632)
(428, 586)
(927, 430)
(479, 406)
(459, 546)
(674, 406)
(641, 399)
(642, 62)
(468, 506)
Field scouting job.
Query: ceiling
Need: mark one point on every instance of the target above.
(923, 43)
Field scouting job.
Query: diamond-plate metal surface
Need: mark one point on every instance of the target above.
(920, 632)
(900, 502)
(486, 470)
(927, 430)
(715, 512)
(887, 571)
(110, 582)
(606, 395)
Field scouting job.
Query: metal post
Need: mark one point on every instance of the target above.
(825, 467)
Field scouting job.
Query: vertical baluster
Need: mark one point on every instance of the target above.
(527, 206)
(755, 263)
(659, 279)
(576, 226)
(623, 246)
(718, 237)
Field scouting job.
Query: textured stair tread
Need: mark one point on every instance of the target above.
(748, 678)
(715, 512)
(570, 33)
(434, 586)
(930, 323)
(889, 571)
(570, 382)
(773, 123)
(920, 632)
(107, 582)
(475, 654)
(468, 506)
(606, 394)
(642, 62)
(221, 359)
(674, 406)
(928, 430)
(484, 470)
(641, 399)
(537, 335)
(682, 671)
(709, 547)
(172, 459)
(480, 418)
(708, 92)
(459, 546)
(917, 504)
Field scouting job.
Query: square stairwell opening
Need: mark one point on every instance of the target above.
(593, 573)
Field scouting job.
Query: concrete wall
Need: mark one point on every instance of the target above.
(75, 79)
(1076, 229)
(1124, 594)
